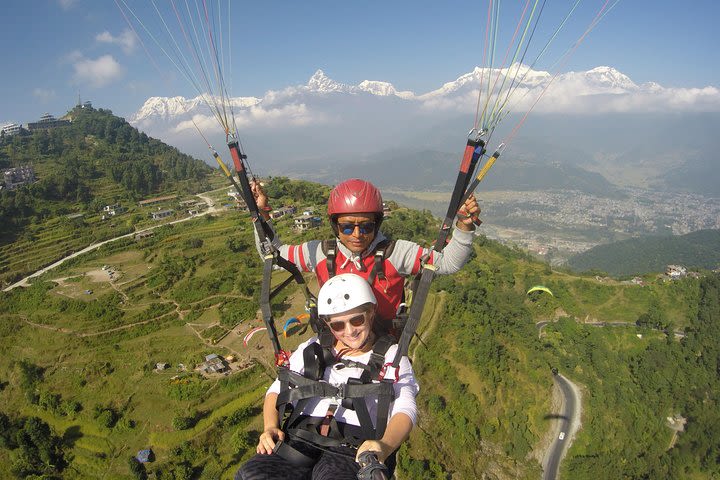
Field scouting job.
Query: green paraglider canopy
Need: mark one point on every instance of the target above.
(539, 288)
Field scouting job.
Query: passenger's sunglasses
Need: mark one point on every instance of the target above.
(356, 321)
(349, 228)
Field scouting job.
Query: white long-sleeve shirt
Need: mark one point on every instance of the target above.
(406, 388)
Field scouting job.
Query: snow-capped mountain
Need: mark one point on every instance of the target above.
(321, 83)
(600, 80)
(343, 119)
(167, 108)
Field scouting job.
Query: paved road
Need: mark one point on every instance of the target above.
(568, 425)
(26, 281)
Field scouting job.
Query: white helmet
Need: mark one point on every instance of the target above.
(343, 293)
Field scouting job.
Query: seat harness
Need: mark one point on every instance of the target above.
(296, 390)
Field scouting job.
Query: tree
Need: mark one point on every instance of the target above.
(137, 468)
(39, 451)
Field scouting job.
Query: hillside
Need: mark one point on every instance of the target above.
(97, 160)
(638, 256)
(82, 367)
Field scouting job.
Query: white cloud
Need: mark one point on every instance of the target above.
(578, 97)
(126, 40)
(44, 94)
(204, 123)
(99, 72)
(257, 116)
(67, 4)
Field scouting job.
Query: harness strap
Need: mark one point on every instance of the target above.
(293, 455)
(329, 248)
(382, 251)
(302, 388)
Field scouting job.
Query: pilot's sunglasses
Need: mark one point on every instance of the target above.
(356, 321)
(349, 228)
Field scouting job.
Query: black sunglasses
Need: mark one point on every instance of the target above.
(349, 228)
(356, 321)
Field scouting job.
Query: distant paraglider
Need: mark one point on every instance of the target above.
(252, 333)
(295, 324)
(539, 288)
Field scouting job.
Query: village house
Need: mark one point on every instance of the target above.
(306, 222)
(160, 214)
(213, 363)
(239, 202)
(281, 212)
(112, 210)
(152, 201)
(47, 122)
(675, 271)
(18, 176)
(10, 129)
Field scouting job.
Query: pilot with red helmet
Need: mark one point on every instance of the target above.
(355, 208)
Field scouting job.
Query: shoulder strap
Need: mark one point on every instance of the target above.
(329, 249)
(382, 251)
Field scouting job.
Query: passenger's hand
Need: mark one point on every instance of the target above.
(468, 214)
(268, 439)
(383, 451)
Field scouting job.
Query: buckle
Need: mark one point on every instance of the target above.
(383, 372)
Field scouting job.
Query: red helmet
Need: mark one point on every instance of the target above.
(355, 196)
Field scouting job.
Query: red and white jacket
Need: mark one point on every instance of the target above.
(404, 260)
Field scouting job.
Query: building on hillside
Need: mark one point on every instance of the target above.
(18, 176)
(145, 456)
(239, 202)
(282, 211)
(386, 210)
(152, 201)
(112, 210)
(160, 214)
(306, 222)
(10, 129)
(47, 122)
(675, 271)
(214, 363)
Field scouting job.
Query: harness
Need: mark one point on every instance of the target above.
(297, 390)
(382, 251)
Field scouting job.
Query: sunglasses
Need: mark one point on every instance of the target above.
(349, 228)
(356, 321)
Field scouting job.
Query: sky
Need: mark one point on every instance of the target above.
(57, 49)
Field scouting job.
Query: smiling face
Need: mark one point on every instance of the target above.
(357, 223)
(353, 329)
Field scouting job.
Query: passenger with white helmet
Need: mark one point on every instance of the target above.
(325, 433)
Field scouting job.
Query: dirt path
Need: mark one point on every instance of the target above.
(26, 281)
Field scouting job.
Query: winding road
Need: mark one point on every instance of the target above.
(26, 281)
(569, 422)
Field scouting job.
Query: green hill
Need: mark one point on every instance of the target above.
(95, 161)
(80, 368)
(638, 256)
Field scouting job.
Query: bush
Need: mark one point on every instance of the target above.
(137, 468)
(182, 422)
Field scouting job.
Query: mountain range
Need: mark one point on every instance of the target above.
(633, 135)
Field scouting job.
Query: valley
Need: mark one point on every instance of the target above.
(558, 224)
